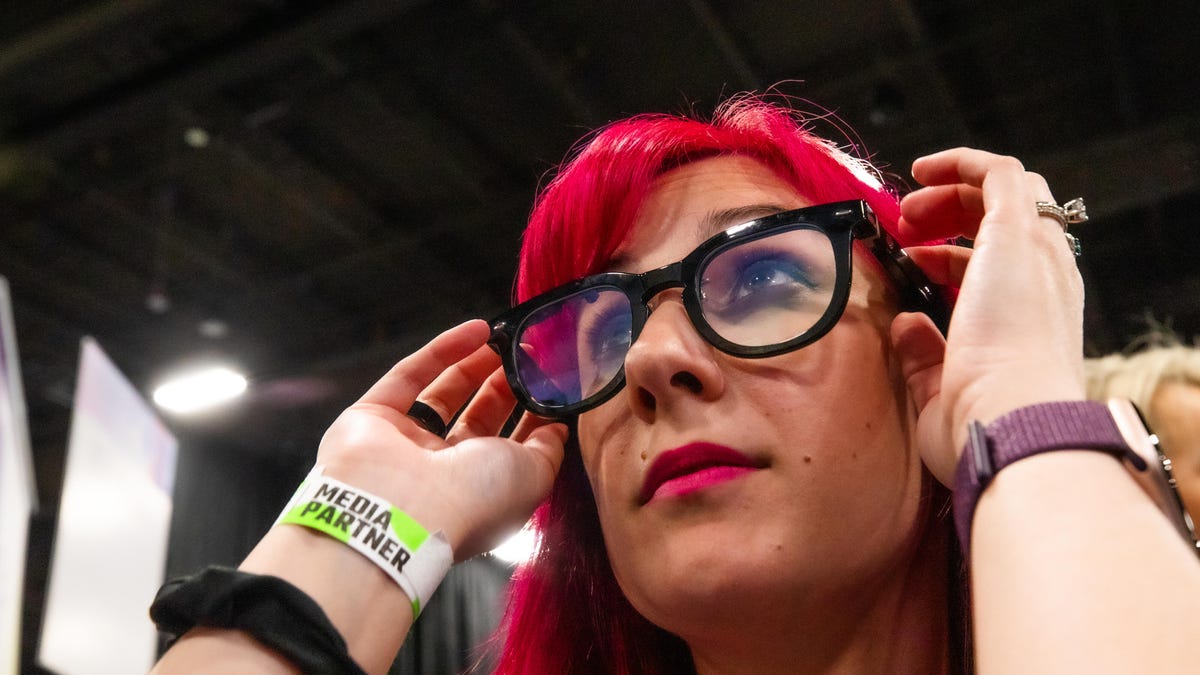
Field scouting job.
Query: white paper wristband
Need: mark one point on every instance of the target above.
(415, 559)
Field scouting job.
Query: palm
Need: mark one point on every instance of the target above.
(1016, 334)
(474, 485)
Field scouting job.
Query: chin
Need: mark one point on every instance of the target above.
(701, 579)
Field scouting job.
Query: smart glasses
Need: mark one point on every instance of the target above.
(762, 288)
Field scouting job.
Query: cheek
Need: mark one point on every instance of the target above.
(852, 417)
(588, 427)
(603, 443)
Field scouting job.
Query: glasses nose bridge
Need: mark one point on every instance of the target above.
(658, 280)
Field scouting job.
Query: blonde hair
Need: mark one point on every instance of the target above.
(1137, 376)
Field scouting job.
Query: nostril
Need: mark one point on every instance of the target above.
(646, 398)
(688, 381)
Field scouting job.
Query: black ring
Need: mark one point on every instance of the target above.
(428, 418)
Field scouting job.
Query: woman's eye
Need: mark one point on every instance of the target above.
(769, 275)
(736, 289)
(604, 342)
(609, 334)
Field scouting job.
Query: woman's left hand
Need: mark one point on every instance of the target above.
(1016, 334)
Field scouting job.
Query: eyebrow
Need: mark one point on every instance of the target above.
(717, 220)
(722, 219)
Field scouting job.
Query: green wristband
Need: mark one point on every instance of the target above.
(413, 557)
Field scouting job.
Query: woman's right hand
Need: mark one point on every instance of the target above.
(473, 485)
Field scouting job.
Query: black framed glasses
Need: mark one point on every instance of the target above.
(758, 289)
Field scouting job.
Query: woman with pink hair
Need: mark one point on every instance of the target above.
(747, 416)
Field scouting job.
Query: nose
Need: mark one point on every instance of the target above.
(670, 363)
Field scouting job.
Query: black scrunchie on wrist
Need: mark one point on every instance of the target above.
(269, 609)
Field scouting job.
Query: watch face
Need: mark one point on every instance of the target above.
(1157, 479)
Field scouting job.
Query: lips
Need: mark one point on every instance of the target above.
(693, 466)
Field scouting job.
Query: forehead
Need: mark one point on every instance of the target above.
(1178, 399)
(691, 203)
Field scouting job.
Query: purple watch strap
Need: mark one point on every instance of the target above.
(1024, 432)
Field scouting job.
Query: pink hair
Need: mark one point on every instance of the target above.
(566, 613)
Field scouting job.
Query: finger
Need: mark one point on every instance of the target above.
(961, 165)
(1008, 205)
(400, 386)
(944, 265)
(547, 441)
(1036, 185)
(1050, 228)
(454, 387)
(527, 425)
(487, 412)
(941, 211)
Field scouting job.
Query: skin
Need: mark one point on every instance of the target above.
(1082, 575)
(792, 554)
(1176, 408)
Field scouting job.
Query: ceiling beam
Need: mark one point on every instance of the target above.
(734, 55)
(74, 28)
(1122, 172)
(198, 78)
(923, 52)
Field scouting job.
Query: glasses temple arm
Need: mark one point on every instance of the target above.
(917, 292)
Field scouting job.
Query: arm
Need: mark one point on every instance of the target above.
(1080, 574)
(1073, 567)
(473, 486)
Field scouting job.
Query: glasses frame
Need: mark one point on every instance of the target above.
(842, 222)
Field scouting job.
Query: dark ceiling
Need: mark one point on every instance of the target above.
(314, 189)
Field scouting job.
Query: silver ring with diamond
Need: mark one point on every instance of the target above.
(1073, 212)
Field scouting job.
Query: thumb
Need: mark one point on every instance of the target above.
(495, 484)
(547, 443)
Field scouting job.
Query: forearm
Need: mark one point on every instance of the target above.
(1074, 569)
(368, 609)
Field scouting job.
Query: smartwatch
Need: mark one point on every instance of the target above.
(1158, 480)
(1116, 427)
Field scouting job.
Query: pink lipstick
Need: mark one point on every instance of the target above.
(693, 467)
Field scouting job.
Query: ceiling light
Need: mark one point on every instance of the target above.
(199, 390)
(213, 329)
(196, 137)
(157, 301)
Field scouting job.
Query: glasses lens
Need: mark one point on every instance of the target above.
(770, 290)
(572, 348)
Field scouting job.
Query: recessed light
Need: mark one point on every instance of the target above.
(200, 390)
(196, 137)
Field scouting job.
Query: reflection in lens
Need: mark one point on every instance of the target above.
(770, 290)
(574, 347)
(605, 333)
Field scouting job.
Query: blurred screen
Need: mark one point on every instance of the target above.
(111, 543)
(17, 489)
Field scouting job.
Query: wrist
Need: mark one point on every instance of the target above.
(349, 587)
(1115, 428)
(366, 607)
(987, 409)
(413, 557)
(413, 490)
(1023, 433)
(261, 623)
